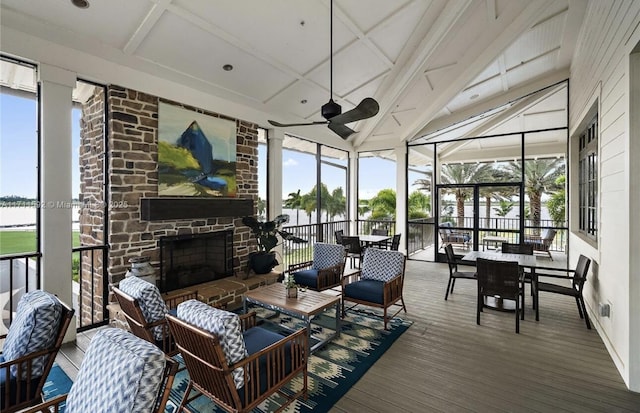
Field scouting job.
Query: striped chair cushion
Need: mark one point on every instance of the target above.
(327, 255)
(382, 265)
(34, 328)
(223, 324)
(120, 373)
(151, 303)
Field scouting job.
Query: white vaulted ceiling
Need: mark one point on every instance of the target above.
(429, 63)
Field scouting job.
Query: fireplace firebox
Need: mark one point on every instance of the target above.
(187, 260)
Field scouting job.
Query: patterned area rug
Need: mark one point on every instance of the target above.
(332, 370)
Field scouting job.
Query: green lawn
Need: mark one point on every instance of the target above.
(15, 242)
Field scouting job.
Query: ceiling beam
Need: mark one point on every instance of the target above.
(497, 101)
(411, 62)
(489, 46)
(145, 27)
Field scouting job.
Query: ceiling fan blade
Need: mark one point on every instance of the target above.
(365, 109)
(284, 125)
(343, 131)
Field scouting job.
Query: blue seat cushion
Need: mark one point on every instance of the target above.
(366, 290)
(306, 277)
(256, 339)
(12, 387)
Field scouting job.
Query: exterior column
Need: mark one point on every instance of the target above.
(352, 201)
(55, 182)
(401, 195)
(274, 184)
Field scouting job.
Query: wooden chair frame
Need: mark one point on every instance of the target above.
(392, 294)
(541, 244)
(211, 375)
(23, 365)
(502, 278)
(141, 328)
(169, 373)
(454, 273)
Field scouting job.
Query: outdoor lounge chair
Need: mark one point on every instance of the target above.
(378, 284)
(144, 309)
(325, 271)
(453, 236)
(237, 369)
(119, 373)
(542, 243)
(30, 348)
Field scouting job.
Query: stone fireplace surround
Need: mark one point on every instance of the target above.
(131, 161)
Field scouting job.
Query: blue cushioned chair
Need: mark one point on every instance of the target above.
(378, 284)
(144, 308)
(325, 271)
(30, 348)
(120, 373)
(234, 362)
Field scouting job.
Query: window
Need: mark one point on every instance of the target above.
(588, 180)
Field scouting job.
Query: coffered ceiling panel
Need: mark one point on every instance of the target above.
(200, 54)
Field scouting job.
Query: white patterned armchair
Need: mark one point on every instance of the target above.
(30, 348)
(234, 362)
(144, 308)
(325, 271)
(378, 284)
(120, 373)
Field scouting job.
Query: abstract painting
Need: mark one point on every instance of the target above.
(196, 153)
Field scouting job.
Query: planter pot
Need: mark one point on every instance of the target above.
(292, 292)
(262, 262)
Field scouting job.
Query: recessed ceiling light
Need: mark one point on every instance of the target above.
(81, 4)
(228, 67)
(303, 101)
(476, 96)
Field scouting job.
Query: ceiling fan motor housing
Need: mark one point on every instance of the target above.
(331, 109)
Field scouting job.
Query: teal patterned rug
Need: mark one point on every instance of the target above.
(332, 370)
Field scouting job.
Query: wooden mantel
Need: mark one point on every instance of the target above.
(159, 209)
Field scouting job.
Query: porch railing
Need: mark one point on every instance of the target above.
(92, 295)
(17, 272)
(312, 233)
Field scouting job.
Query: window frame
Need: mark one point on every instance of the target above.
(587, 174)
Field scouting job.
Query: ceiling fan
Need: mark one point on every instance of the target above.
(332, 112)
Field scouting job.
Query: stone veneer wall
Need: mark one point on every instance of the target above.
(92, 206)
(133, 174)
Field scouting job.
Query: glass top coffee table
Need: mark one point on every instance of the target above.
(307, 305)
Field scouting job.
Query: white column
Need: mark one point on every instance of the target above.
(55, 174)
(274, 185)
(401, 195)
(353, 194)
(633, 191)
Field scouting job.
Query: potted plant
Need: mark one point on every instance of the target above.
(291, 286)
(266, 233)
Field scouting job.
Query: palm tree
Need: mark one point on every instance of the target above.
(419, 205)
(261, 205)
(337, 203)
(383, 205)
(505, 206)
(294, 201)
(539, 177)
(468, 173)
(556, 204)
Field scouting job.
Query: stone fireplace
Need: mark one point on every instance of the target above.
(188, 260)
(130, 159)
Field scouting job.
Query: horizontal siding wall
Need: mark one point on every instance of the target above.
(600, 68)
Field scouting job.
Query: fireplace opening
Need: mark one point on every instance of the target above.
(187, 260)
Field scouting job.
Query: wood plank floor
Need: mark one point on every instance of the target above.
(446, 363)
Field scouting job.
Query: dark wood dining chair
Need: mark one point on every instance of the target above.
(499, 278)
(575, 290)
(454, 272)
(381, 232)
(526, 249)
(395, 242)
(354, 249)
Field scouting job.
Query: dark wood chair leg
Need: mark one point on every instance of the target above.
(446, 294)
(586, 316)
(478, 309)
(579, 307)
(518, 309)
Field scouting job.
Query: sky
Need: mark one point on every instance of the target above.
(18, 159)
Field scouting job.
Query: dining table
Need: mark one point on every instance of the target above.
(523, 260)
(369, 240)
